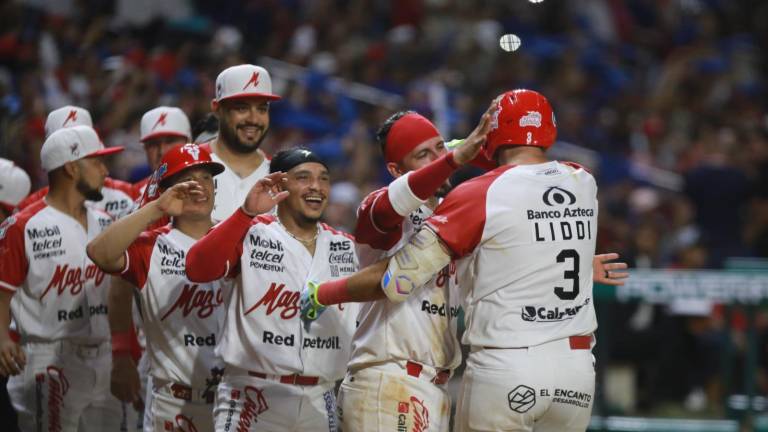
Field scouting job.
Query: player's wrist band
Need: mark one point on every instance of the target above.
(313, 287)
(121, 342)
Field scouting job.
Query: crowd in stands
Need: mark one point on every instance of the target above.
(666, 102)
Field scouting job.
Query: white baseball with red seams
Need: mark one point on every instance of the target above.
(182, 323)
(526, 236)
(59, 306)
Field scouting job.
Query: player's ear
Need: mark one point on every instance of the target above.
(71, 169)
(214, 105)
(394, 169)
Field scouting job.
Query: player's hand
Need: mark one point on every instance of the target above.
(471, 145)
(12, 358)
(310, 307)
(171, 202)
(125, 384)
(265, 194)
(609, 273)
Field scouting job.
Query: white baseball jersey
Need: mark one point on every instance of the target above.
(529, 235)
(119, 198)
(59, 291)
(263, 330)
(422, 328)
(230, 189)
(181, 319)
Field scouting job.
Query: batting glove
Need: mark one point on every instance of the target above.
(310, 307)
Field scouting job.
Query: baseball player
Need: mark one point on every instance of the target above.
(387, 353)
(116, 197)
(524, 314)
(278, 375)
(14, 186)
(243, 95)
(161, 129)
(181, 318)
(57, 296)
(384, 347)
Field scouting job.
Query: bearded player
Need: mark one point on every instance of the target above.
(355, 286)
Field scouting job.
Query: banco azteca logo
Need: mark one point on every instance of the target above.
(521, 399)
(558, 196)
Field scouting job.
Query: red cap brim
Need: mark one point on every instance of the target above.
(106, 151)
(249, 95)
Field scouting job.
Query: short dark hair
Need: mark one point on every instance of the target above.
(381, 134)
(285, 160)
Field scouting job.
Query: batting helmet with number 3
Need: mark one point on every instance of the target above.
(524, 118)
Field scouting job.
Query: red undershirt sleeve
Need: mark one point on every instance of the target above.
(217, 254)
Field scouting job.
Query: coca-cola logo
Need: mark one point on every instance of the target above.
(420, 415)
(255, 404)
(73, 279)
(342, 258)
(278, 299)
(58, 386)
(193, 298)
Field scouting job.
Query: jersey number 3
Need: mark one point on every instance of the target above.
(573, 275)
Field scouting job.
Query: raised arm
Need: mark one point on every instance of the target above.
(107, 250)
(216, 254)
(384, 211)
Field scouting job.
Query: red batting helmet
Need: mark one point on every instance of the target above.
(184, 156)
(524, 118)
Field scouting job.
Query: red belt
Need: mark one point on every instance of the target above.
(414, 370)
(289, 379)
(580, 342)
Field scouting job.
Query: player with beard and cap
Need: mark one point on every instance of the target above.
(117, 197)
(57, 296)
(243, 96)
(278, 375)
(525, 237)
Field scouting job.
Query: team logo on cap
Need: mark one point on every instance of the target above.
(254, 80)
(160, 120)
(74, 150)
(193, 150)
(533, 118)
(71, 116)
